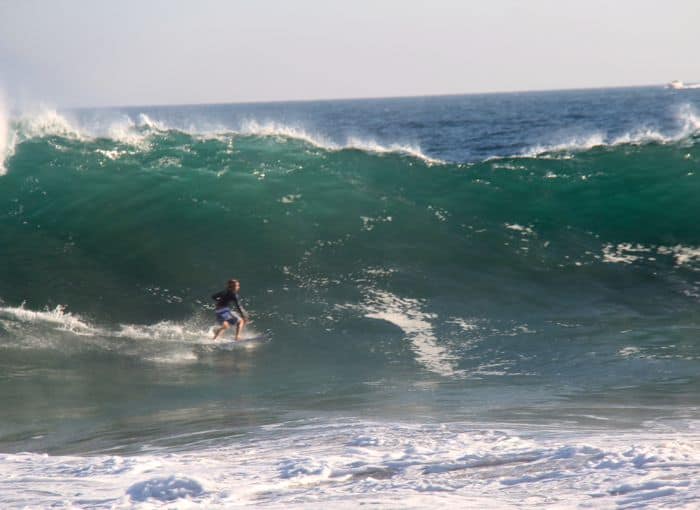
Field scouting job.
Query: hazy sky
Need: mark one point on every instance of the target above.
(126, 52)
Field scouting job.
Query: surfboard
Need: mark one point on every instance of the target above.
(243, 343)
(226, 344)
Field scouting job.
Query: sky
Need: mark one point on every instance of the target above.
(127, 52)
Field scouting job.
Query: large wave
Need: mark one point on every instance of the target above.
(131, 219)
(133, 222)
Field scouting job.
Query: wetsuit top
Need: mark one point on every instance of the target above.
(225, 298)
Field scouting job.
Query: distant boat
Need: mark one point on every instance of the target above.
(679, 85)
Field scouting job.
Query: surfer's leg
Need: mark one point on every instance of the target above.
(224, 327)
(239, 327)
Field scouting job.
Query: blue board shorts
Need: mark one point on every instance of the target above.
(226, 315)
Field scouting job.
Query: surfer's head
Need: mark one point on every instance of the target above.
(234, 285)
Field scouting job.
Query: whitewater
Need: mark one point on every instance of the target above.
(483, 301)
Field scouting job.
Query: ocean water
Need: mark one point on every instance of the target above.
(483, 301)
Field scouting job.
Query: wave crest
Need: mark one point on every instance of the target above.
(255, 128)
(136, 130)
(687, 119)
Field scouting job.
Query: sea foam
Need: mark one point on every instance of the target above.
(57, 317)
(407, 314)
(345, 463)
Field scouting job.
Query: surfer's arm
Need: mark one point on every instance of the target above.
(240, 309)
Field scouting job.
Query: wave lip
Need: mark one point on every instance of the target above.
(396, 148)
(687, 119)
(255, 128)
(573, 144)
(136, 130)
(7, 137)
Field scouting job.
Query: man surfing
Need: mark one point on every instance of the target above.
(224, 314)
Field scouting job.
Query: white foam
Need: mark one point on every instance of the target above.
(165, 489)
(136, 131)
(289, 199)
(368, 222)
(630, 351)
(346, 463)
(466, 325)
(577, 143)
(641, 136)
(628, 253)
(144, 121)
(63, 320)
(519, 228)
(163, 342)
(47, 121)
(375, 147)
(186, 331)
(690, 120)
(683, 255)
(164, 330)
(687, 119)
(440, 214)
(41, 121)
(125, 131)
(111, 154)
(7, 137)
(252, 127)
(271, 128)
(57, 317)
(406, 313)
(624, 253)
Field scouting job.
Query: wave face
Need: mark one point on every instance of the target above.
(414, 261)
(139, 223)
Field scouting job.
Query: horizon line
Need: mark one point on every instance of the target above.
(360, 98)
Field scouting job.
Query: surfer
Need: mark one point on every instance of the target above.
(225, 315)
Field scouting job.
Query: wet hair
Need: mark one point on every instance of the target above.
(233, 280)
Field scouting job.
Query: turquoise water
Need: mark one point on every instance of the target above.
(522, 264)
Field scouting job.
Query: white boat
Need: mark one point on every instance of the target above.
(675, 84)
